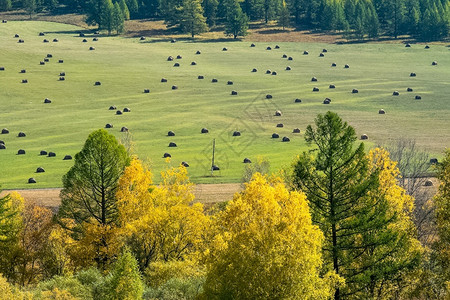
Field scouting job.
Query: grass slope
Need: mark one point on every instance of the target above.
(127, 66)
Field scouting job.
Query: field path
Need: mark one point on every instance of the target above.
(204, 193)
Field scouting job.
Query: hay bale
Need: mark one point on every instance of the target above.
(314, 79)
(236, 133)
(200, 77)
(428, 182)
(126, 109)
(46, 60)
(20, 152)
(268, 96)
(5, 131)
(146, 91)
(418, 97)
(427, 47)
(118, 112)
(2, 146)
(286, 139)
(408, 45)
(142, 38)
(305, 52)
(254, 70)
(193, 63)
(333, 65)
(355, 91)
(31, 180)
(51, 154)
(315, 89)
(381, 112)
(42, 63)
(179, 56)
(321, 55)
(275, 135)
(124, 129)
(21, 134)
(81, 34)
(198, 52)
(215, 168)
(185, 164)
(67, 157)
(46, 100)
(2, 68)
(23, 71)
(296, 130)
(2, 142)
(40, 170)
(277, 47)
(97, 83)
(170, 58)
(332, 86)
(173, 41)
(324, 50)
(62, 74)
(297, 100)
(364, 137)
(172, 144)
(326, 101)
(288, 68)
(170, 133)
(43, 152)
(55, 40)
(224, 49)
(204, 130)
(280, 125)
(229, 82)
(62, 78)
(49, 55)
(269, 48)
(268, 72)
(412, 74)
(165, 155)
(252, 45)
(4, 21)
(109, 125)
(395, 93)
(176, 64)
(16, 35)
(290, 58)
(163, 80)
(434, 63)
(112, 107)
(174, 87)
(247, 161)
(433, 161)
(284, 56)
(84, 41)
(409, 89)
(91, 48)
(60, 61)
(278, 113)
(95, 39)
(45, 41)
(274, 73)
(346, 66)
(214, 80)
(234, 93)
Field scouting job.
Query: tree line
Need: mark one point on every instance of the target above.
(337, 224)
(357, 19)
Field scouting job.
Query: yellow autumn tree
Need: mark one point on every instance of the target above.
(159, 222)
(266, 247)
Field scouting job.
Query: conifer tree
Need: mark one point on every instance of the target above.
(210, 9)
(124, 9)
(118, 18)
(236, 20)
(192, 20)
(284, 16)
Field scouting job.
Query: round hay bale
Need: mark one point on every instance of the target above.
(364, 137)
(49, 55)
(146, 91)
(97, 83)
(275, 135)
(408, 45)
(2, 146)
(46, 100)
(296, 130)
(434, 63)
(355, 91)
(418, 97)
(428, 182)
(91, 48)
(333, 65)
(23, 71)
(314, 79)
(142, 38)
(234, 93)
(62, 78)
(321, 55)
(45, 41)
(252, 45)
(2, 68)
(95, 39)
(332, 86)
(16, 35)
(4, 21)
(274, 73)
(67, 157)
(31, 180)
(200, 77)
(51, 154)
(109, 125)
(179, 56)
(174, 87)
(229, 82)
(433, 161)
(193, 63)
(173, 41)
(185, 164)
(324, 50)
(42, 63)
(43, 152)
(198, 52)
(427, 47)
(284, 56)
(40, 170)
(409, 89)
(278, 113)
(224, 49)
(327, 101)
(172, 144)
(280, 125)
(395, 93)
(247, 161)
(20, 152)
(268, 72)
(21, 41)
(163, 80)
(215, 168)
(412, 74)
(176, 64)
(277, 47)
(118, 112)
(21, 134)
(305, 52)
(124, 129)
(254, 70)
(62, 74)
(315, 89)
(170, 133)
(268, 96)
(84, 41)
(290, 58)
(2, 142)
(346, 66)
(236, 133)
(170, 58)
(214, 80)
(165, 155)
(126, 109)
(269, 48)
(55, 40)
(286, 139)
(46, 60)
(288, 68)
(204, 130)
(381, 112)
(5, 131)
(297, 100)
(81, 34)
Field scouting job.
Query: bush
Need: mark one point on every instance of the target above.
(177, 289)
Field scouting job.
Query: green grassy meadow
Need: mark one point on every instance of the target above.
(127, 66)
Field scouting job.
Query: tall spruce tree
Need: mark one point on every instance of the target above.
(118, 18)
(124, 9)
(236, 20)
(210, 9)
(192, 20)
(284, 16)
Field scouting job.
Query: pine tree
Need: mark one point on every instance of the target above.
(5, 5)
(124, 9)
(284, 16)
(30, 6)
(236, 20)
(117, 18)
(133, 7)
(192, 20)
(210, 9)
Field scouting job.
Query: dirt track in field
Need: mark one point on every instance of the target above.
(204, 193)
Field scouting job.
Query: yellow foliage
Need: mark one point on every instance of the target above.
(57, 294)
(159, 272)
